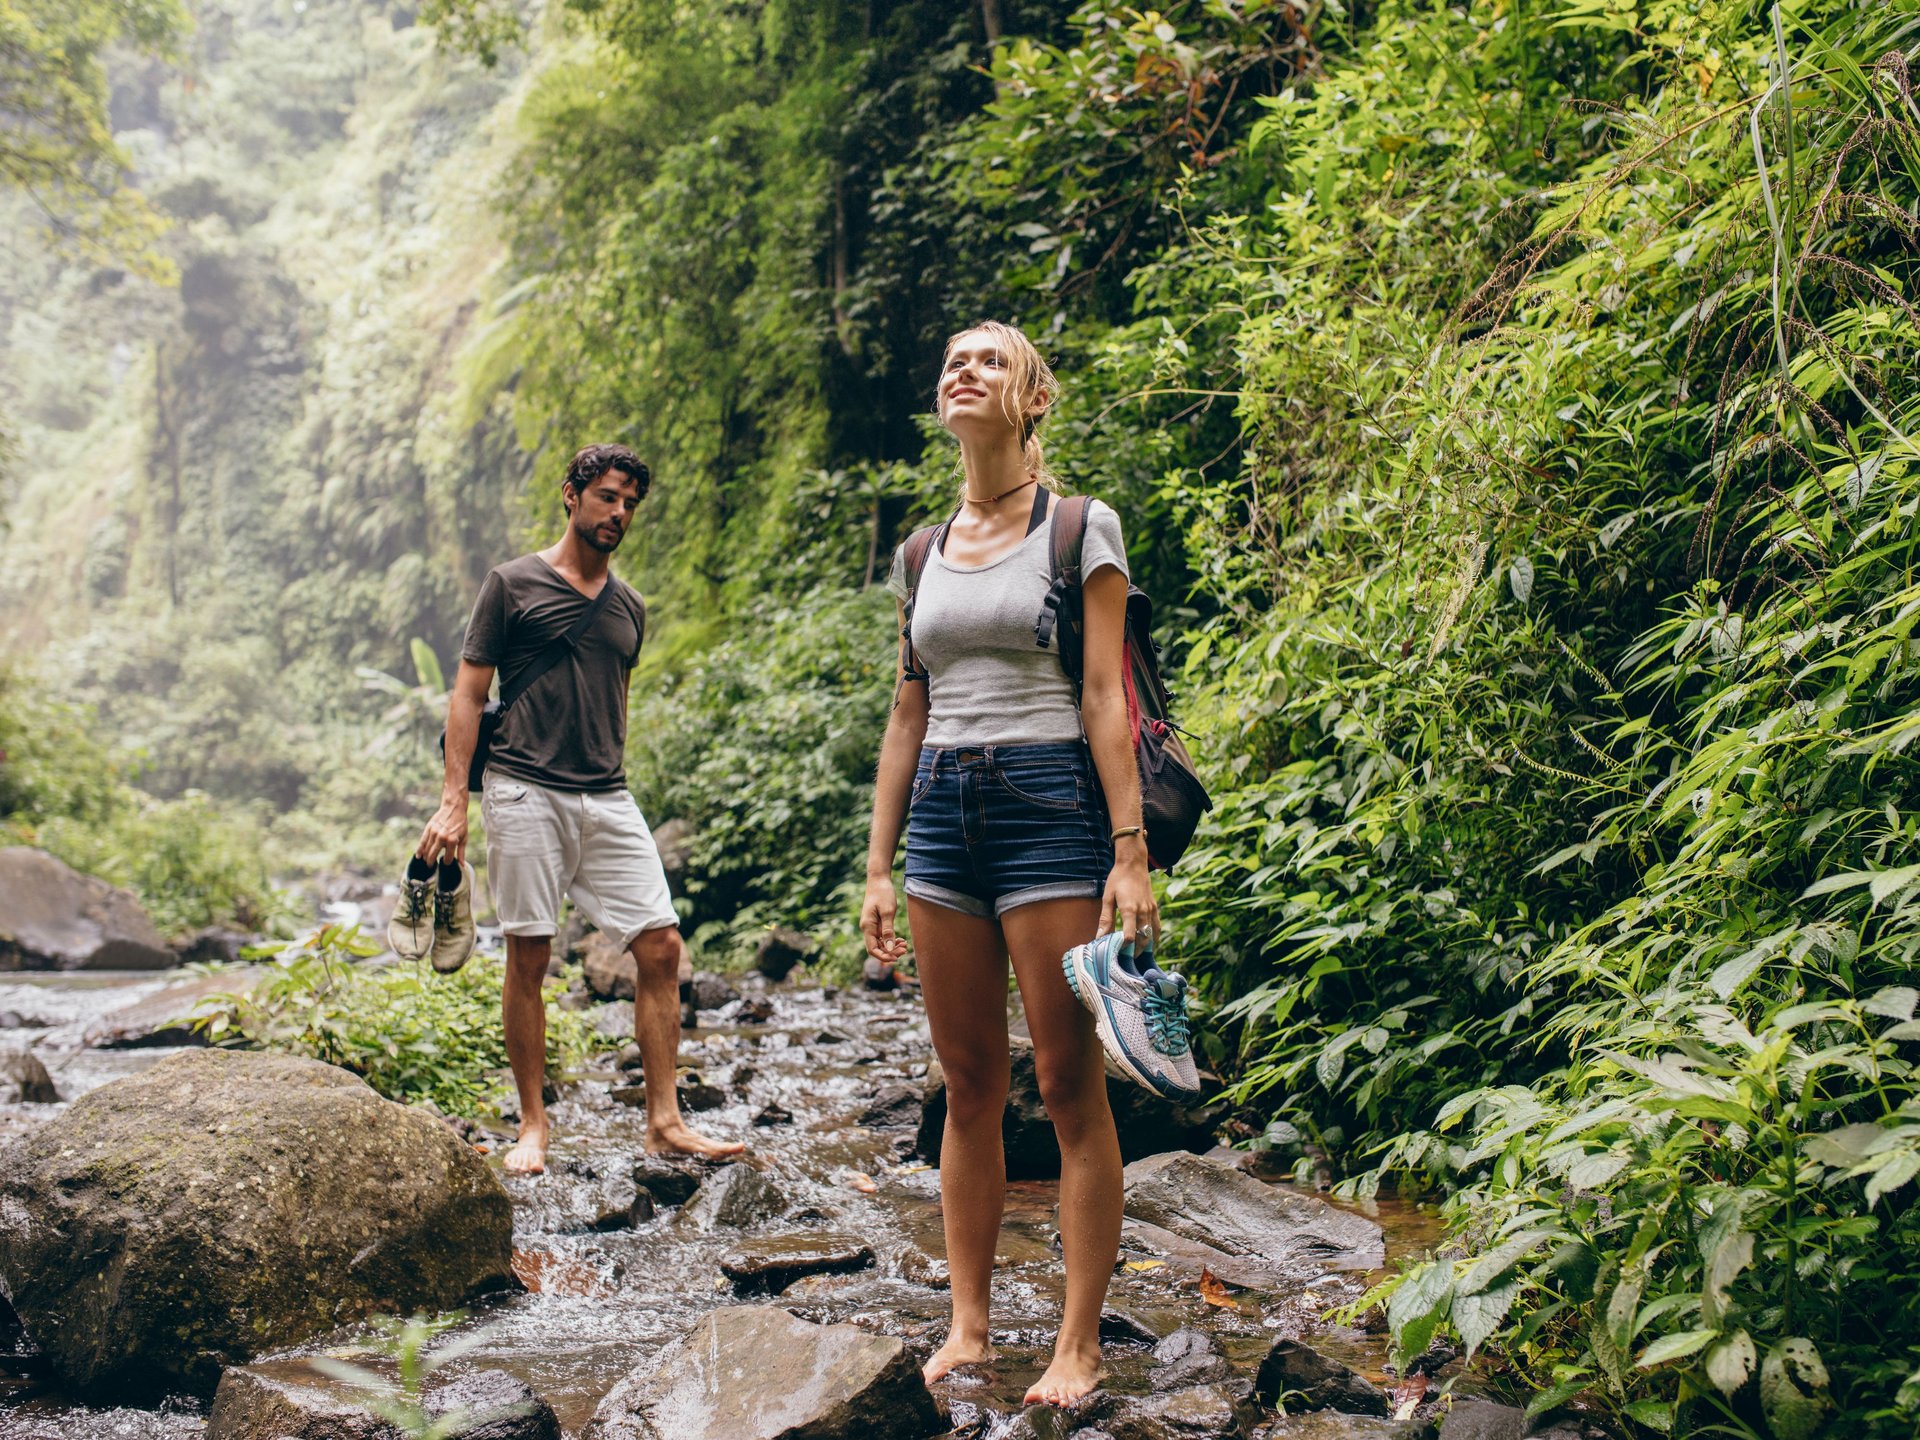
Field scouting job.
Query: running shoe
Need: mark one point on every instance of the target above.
(410, 931)
(1141, 1013)
(453, 932)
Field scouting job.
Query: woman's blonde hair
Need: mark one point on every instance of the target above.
(1028, 375)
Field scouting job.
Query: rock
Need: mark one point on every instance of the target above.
(894, 1105)
(780, 950)
(24, 1079)
(54, 918)
(630, 1058)
(759, 1373)
(689, 1016)
(773, 1113)
(1188, 1357)
(696, 1095)
(608, 968)
(1224, 1411)
(616, 1201)
(670, 1182)
(1245, 1231)
(754, 1011)
(285, 1399)
(1304, 1379)
(766, 1267)
(733, 1197)
(613, 1020)
(1475, 1419)
(829, 1037)
(1332, 1425)
(633, 1096)
(712, 992)
(879, 975)
(642, 1210)
(1148, 1124)
(214, 945)
(1116, 1326)
(741, 1078)
(162, 1019)
(674, 840)
(226, 1202)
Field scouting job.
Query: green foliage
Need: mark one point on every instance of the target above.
(413, 1035)
(56, 139)
(766, 748)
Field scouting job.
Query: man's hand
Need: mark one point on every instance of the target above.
(1129, 894)
(446, 833)
(876, 921)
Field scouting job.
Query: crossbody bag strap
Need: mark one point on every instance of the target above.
(558, 646)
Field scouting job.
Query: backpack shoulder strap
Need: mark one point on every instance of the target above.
(920, 544)
(1066, 536)
(559, 645)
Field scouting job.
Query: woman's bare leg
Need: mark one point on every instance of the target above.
(1067, 1060)
(963, 978)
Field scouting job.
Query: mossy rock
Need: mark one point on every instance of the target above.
(225, 1203)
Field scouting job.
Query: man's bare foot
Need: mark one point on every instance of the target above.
(680, 1139)
(1071, 1375)
(958, 1351)
(529, 1154)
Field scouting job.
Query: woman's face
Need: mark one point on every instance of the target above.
(974, 395)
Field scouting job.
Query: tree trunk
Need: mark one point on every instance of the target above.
(990, 17)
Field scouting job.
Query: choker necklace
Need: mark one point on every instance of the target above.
(993, 499)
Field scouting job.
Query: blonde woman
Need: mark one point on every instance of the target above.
(1025, 837)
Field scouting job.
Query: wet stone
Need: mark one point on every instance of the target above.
(630, 1095)
(755, 1011)
(774, 1113)
(696, 1095)
(1188, 1357)
(24, 1080)
(669, 1181)
(879, 975)
(1332, 1425)
(1475, 1419)
(766, 1267)
(1118, 1327)
(630, 1058)
(760, 1373)
(734, 1197)
(780, 950)
(712, 992)
(1224, 1411)
(1307, 1380)
(829, 1037)
(894, 1105)
(284, 1399)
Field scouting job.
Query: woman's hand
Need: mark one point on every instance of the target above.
(876, 921)
(1129, 901)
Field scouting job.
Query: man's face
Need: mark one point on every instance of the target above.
(602, 512)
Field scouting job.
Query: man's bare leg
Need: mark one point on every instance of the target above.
(656, 1026)
(524, 1014)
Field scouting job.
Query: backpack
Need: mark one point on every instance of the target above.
(1172, 799)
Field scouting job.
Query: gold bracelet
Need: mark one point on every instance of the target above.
(1122, 833)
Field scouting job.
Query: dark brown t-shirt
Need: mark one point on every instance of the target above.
(569, 731)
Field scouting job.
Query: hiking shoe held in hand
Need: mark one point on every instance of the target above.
(453, 934)
(1140, 1011)
(410, 931)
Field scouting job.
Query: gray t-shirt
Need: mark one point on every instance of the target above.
(973, 631)
(569, 731)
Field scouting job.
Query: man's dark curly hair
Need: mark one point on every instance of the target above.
(590, 462)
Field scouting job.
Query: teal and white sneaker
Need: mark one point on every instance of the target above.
(1141, 1013)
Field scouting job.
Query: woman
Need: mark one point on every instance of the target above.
(1025, 839)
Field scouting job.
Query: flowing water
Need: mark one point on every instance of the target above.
(598, 1302)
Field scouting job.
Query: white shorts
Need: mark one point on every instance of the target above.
(596, 848)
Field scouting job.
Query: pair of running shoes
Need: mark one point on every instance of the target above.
(434, 919)
(1140, 1011)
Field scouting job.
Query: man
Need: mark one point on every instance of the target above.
(560, 819)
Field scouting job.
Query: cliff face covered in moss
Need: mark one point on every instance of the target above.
(230, 496)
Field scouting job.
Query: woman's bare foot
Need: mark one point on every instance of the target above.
(959, 1350)
(1073, 1373)
(678, 1138)
(529, 1154)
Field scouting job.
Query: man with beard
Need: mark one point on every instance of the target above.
(560, 819)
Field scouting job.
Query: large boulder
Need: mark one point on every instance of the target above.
(781, 949)
(54, 918)
(1148, 1124)
(24, 1079)
(225, 1203)
(286, 1399)
(759, 1373)
(1245, 1231)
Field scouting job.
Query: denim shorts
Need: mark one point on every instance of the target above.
(991, 827)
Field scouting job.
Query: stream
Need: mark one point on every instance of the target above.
(599, 1300)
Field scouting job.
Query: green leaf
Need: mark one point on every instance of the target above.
(1896, 1002)
(1675, 1347)
(1793, 1384)
(1896, 1171)
(1520, 578)
(1654, 1414)
(1731, 1361)
(1476, 1317)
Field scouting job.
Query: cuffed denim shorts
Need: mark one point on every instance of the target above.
(992, 827)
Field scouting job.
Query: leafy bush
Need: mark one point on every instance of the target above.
(413, 1035)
